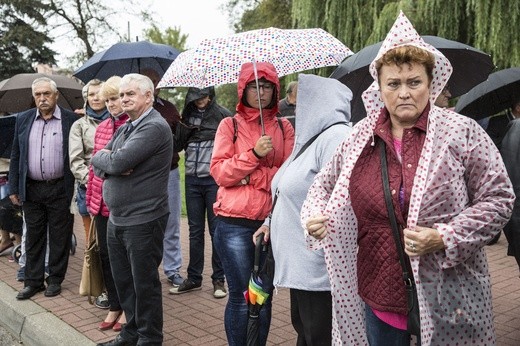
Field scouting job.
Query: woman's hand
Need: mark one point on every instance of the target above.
(317, 226)
(422, 240)
(263, 146)
(263, 229)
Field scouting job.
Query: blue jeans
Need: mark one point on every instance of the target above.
(236, 250)
(135, 254)
(199, 205)
(81, 200)
(382, 334)
(172, 256)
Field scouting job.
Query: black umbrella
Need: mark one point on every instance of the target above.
(494, 95)
(127, 57)
(7, 124)
(470, 67)
(16, 93)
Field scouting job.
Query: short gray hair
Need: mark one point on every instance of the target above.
(291, 86)
(144, 83)
(52, 83)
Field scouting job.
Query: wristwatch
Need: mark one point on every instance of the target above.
(243, 181)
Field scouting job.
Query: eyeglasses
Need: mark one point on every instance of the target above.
(266, 86)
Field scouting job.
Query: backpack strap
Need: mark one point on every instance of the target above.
(281, 127)
(235, 129)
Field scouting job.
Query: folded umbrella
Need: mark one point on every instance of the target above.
(257, 293)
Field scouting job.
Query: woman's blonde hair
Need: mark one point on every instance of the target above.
(110, 87)
(408, 55)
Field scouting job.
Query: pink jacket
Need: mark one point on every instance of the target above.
(232, 162)
(103, 135)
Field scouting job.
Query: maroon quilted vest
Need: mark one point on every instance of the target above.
(380, 281)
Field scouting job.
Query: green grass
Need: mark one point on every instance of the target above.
(183, 191)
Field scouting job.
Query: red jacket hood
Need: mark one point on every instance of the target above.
(264, 70)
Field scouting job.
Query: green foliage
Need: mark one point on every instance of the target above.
(183, 185)
(22, 39)
(170, 36)
(491, 26)
(268, 13)
(227, 96)
(174, 38)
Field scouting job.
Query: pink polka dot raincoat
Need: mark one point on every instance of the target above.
(461, 188)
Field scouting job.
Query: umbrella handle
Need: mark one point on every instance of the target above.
(258, 96)
(258, 250)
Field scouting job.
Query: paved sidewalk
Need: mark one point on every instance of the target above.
(195, 318)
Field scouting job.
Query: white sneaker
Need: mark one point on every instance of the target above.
(219, 290)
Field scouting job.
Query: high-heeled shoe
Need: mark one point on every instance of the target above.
(109, 325)
(118, 326)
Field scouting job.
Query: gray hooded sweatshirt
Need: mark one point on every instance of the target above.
(321, 102)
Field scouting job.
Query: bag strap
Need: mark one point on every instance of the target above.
(302, 149)
(313, 138)
(92, 236)
(391, 215)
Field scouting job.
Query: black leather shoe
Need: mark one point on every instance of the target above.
(53, 290)
(29, 291)
(118, 341)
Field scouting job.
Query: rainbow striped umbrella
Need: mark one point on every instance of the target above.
(257, 293)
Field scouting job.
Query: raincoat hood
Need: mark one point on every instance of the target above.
(264, 70)
(401, 34)
(194, 94)
(320, 102)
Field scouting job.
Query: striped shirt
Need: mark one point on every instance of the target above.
(46, 147)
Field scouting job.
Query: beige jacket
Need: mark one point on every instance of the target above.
(81, 144)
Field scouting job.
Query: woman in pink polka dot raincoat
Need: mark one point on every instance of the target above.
(451, 195)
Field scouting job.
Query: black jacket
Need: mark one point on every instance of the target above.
(185, 132)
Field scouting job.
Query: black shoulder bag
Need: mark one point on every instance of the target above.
(414, 322)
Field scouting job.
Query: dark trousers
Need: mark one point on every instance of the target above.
(199, 206)
(47, 206)
(101, 228)
(311, 317)
(135, 255)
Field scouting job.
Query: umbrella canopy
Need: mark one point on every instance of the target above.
(218, 61)
(127, 57)
(16, 92)
(494, 95)
(470, 67)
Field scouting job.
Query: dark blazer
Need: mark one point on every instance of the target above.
(18, 165)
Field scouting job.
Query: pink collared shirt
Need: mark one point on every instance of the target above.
(45, 154)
